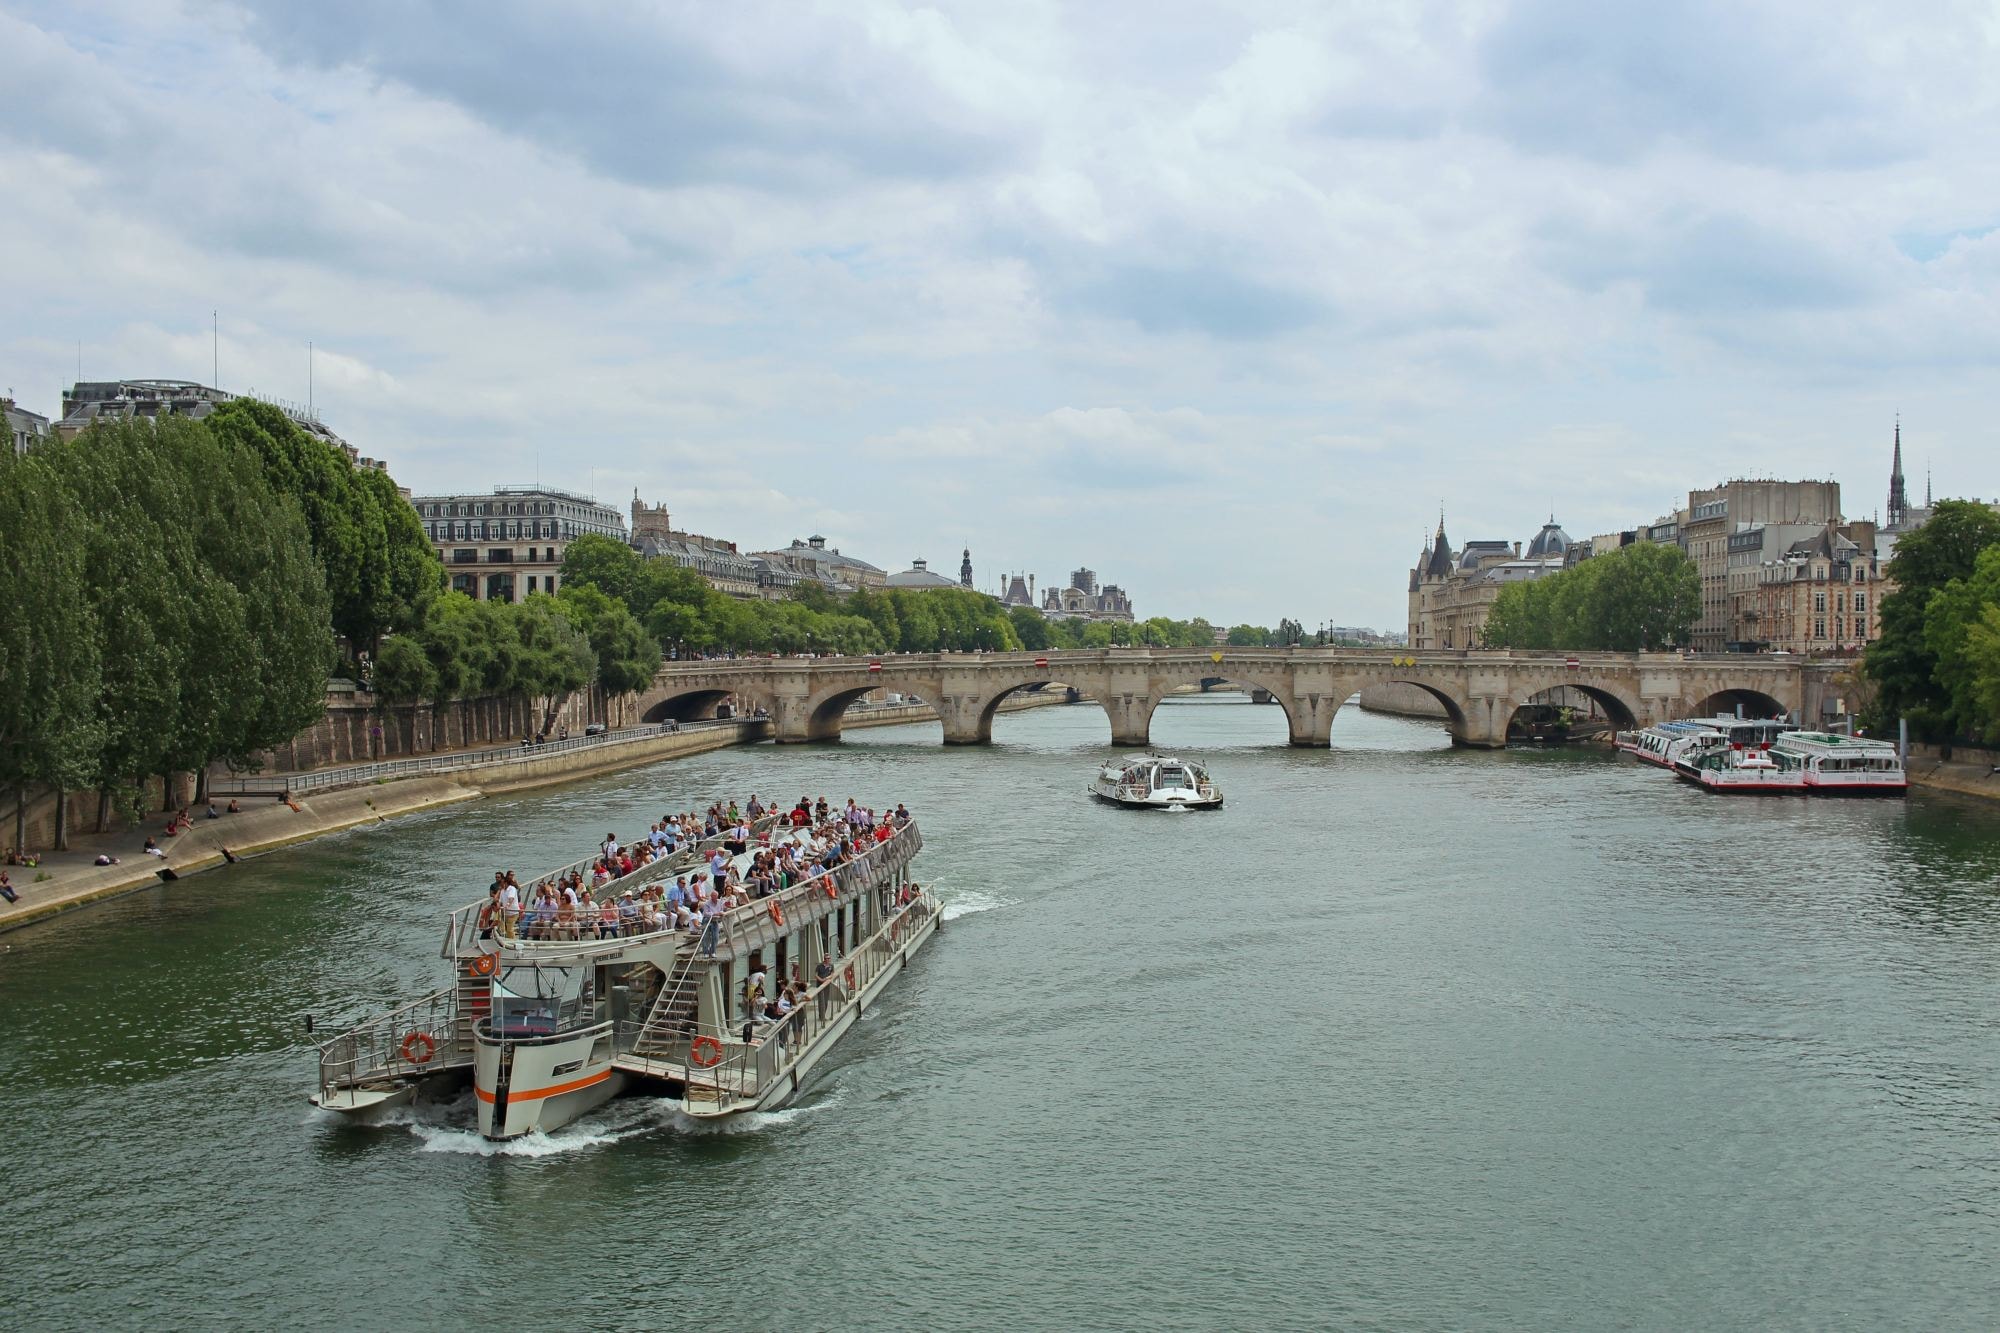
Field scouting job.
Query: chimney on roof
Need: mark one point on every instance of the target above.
(1517, 550)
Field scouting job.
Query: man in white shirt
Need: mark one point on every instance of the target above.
(510, 907)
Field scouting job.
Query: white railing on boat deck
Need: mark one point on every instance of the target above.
(462, 929)
(383, 1047)
(747, 1070)
(750, 925)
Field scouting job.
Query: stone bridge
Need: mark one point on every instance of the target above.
(1480, 691)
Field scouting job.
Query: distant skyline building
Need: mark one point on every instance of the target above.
(506, 543)
(25, 429)
(89, 401)
(1452, 592)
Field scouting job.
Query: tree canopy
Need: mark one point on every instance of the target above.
(1639, 598)
(1925, 665)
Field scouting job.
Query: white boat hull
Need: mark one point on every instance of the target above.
(547, 1083)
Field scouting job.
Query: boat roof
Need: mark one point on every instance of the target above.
(1828, 740)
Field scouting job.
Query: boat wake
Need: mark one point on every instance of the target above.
(442, 1127)
(964, 902)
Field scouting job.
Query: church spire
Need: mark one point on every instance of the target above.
(1899, 501)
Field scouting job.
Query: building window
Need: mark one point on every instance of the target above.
(1819, 629)
(531, 585)
(465, 556)
(1860, 602)
(1819, 601)
(499, 555)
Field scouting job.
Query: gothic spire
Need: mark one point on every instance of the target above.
(1899, 501)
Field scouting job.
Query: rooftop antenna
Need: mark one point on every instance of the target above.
(214, 349)
(309, 378)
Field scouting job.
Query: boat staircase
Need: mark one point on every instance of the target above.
(671, 1022)
(474, 1001)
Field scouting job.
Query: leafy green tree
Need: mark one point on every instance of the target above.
(1029, 627)
(50, 662)
(1902, 663)
(556, 658)
(613, 568)
(1982, 651)
(1952, 621)
(1248, 636)
(626, 658)
(1639, 598)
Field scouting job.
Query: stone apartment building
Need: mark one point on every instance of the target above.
(1452, 592)
(1822, 594)
(1716, 515)
(25, 429)
(508, 542)
(88, 401)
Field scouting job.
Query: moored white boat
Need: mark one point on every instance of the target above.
(1664, 743)
(1716, 763)
(1156, 782)
(1837, 765)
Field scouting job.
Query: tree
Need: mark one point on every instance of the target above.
(1029, 627)
(626, 659)
(1639, 598)
(50, 665)
(1955, 621)
(1248, 636)
(1901, 663)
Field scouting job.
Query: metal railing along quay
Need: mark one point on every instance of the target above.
(287, 785)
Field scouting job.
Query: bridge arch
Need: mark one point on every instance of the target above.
(1454, 707)
(1754, 703)
(1618, 714)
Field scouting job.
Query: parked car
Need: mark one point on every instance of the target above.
(595, 729)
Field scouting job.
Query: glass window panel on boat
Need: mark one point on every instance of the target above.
(534, 1000)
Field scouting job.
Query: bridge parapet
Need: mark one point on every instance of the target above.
(1480, 690)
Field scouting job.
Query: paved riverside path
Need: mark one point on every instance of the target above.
(70, 879)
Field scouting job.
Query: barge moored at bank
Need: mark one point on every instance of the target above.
(1837, 765)
(546, 1030)
(1156, 782)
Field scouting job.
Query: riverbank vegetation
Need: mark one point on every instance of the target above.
(1639, 598)
(687, 616)
(1936, 664)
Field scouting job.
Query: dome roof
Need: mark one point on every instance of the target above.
(1551, 540)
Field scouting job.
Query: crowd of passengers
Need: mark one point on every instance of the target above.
(585, 903)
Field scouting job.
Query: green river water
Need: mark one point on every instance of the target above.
(1403, 1037)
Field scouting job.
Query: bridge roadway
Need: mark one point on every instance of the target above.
(1480, 691)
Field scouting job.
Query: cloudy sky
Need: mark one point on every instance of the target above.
(1222, 301)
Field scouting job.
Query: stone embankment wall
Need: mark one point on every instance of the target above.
(1967, 772)
(354, 730)
(267, 824)
(1402, 700)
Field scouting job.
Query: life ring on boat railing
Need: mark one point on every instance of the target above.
(777, 914)
(706, 1053)
(849, 974)
(482, 965)
(832, 889)
(419, 1047)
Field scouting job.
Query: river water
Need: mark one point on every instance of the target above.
(1403, 1037)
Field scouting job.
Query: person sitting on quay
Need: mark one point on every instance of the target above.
(213, 813)
(7, 888)
(233, 808)
(105, 859)
(154, 849)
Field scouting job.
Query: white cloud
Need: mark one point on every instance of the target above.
(1055, 282)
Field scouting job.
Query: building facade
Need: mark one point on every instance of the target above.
(1452, 592)
(1717, 514)
(25, 429)
(814, 559)
(88, 401)
(1083, 599)
(725, 568)
(1823, 594)
(507, 543)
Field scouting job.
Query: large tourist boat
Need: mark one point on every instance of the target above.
(1715, 763)
(1836, 765)
(547, 1029)
(1156, 782)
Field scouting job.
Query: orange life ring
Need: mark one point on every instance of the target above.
(850, 976)
(482, 965)
(776, 915)
(832, 889)
(706, 1053)
(419, 1047)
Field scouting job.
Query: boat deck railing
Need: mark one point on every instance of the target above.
(746, 1070)
(419, 1038)
(462, 929)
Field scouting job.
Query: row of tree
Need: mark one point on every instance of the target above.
(1936, 663)
(680, 610)
(1639, 598)
(165, 606)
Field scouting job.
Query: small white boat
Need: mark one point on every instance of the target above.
(1837, 765)
(1156, 782)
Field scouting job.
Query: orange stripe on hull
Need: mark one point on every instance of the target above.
(535, 1094)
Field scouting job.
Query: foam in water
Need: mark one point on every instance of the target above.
(964, 902)
(441, 1127)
